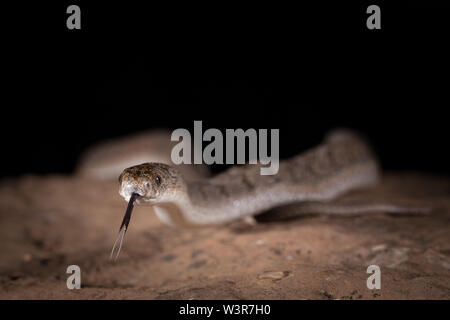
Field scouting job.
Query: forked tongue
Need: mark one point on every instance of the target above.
(124, 225)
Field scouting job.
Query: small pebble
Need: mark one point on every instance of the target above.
(326, 294)
(27, 257)
(198, 264)
(379, 247)
(276, 251)
(169, 257)
(259, 242)
(274, 275)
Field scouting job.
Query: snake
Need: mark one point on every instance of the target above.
(188, 195)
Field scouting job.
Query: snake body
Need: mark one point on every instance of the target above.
(188, 195)
(342, 162)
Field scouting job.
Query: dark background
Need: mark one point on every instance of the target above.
(302, 69)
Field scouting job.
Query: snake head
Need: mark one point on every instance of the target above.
(152, 182)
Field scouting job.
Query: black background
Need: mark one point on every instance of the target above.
(300, 68)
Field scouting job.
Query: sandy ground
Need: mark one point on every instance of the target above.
(48, 223)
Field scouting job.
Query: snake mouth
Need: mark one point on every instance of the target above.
(145, 199)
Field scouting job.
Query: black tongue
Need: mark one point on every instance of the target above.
(124, 225)
(127, 216)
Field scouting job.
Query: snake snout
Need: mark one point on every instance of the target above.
(127, 189)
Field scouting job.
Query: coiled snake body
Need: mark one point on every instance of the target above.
(187, 195)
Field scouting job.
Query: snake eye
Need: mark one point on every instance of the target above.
(158, 179)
